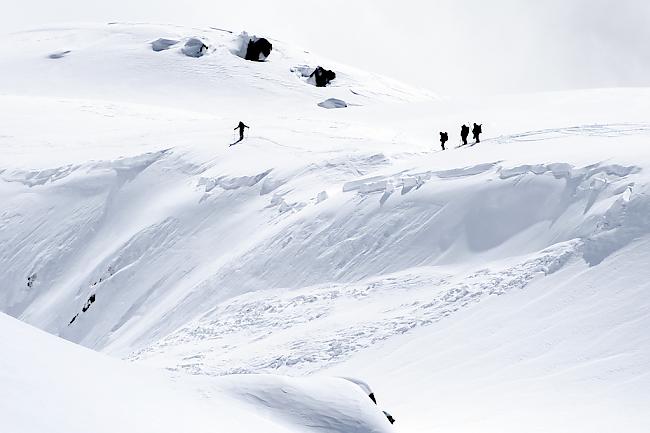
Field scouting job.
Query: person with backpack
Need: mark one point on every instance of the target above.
(476, 131)
(444, 137)
(464, 132)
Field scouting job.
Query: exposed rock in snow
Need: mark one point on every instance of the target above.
(319, 76)
(163, 44)
(59, 54)
(194, 48)
(322, 77)
(258, 50)
(333, 103)
(251, 48)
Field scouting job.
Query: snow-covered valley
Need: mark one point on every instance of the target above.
(497, 287)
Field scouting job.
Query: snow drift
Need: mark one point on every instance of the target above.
(82, 391)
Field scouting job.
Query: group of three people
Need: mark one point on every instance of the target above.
(464, 133)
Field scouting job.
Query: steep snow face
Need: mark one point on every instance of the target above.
(327, 238)
(165, 236)
(82, 391)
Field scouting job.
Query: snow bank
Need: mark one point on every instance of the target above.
(49, 384)
(317, 404)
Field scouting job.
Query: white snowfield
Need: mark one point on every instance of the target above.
(51, 385)
(497, 287)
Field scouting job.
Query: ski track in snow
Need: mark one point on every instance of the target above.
(608, 130)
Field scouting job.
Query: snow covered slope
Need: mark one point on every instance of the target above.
(49, 384)
(118, 62)
(509, 276)
(567, 354)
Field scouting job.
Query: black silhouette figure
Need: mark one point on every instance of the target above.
(476, 131)
(444, 137)
(241, 127)
(464, 132)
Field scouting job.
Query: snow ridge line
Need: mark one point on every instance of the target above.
(409, 181)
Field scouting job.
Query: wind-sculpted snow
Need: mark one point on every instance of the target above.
(458, 282)
(239, 182)
(84, 391)
(298, 238)
(220, 342)
(38, 177)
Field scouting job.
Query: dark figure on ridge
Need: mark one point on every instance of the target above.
(241, 127)
(476, 131)
(464, 132)
(444, 137)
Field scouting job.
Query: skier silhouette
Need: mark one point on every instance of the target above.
(464, 132)
(444, 137)
(241, 127)
(476, 131)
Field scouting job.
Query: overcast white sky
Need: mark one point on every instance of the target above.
(449, 46)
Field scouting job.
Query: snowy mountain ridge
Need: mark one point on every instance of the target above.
(466, 285)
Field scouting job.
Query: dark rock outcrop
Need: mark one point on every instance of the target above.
(333, 103)
(89, 302)
(258, 50)
(322, 77)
